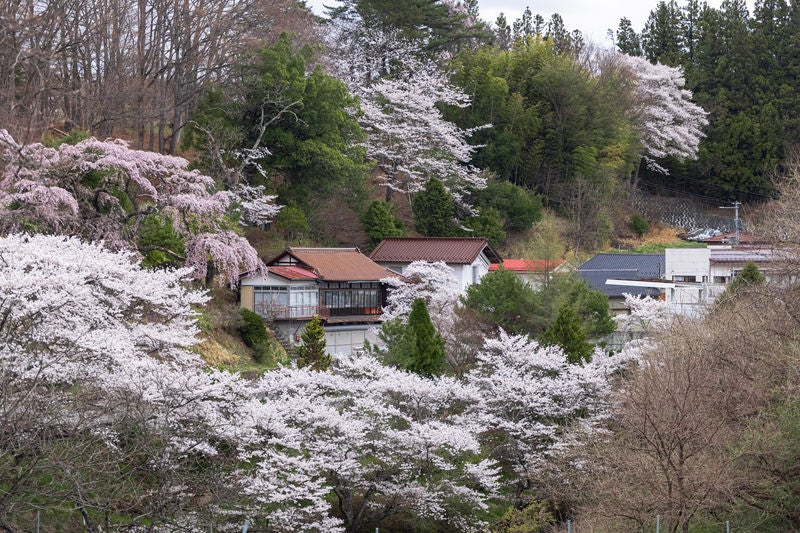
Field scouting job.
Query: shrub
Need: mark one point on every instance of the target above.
(255, 336)
(638, 224)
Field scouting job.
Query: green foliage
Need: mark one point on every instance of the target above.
(519, 208)
(557, 128)
(590, 305)
(638, 225)
(750, 276)
(434, 211)
(255, 336)
(304, 118)
(627, 40)
(158, 242)
(487, 223)
(291, 223)
(567, 332)
(433, 28)
(400, 343)
(311, 353)
(428, 356)
(72, 137)
(503, 300)
(380, 222)
(533, 518)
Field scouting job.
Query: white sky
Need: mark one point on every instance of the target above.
(592, 17)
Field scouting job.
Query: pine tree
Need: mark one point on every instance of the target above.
(567, 333)
(380, 222)
(428, 356)
(434, 211)
(311, 353)
(627, 40)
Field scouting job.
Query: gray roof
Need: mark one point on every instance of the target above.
(602, 267)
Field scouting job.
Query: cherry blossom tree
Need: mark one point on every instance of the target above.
(435, 282)
(670, 123)
(437, 285)
(103, 190)
(534, 403)
(647, 315)
(390, 442)
(410, 138)
(107, 415)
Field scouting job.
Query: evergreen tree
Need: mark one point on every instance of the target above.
(379, 222)
(503, 300)
(434, 211)
(428, 356)
(519, 208)
(558, 34)
(750, 276)
(567, 333)
(627, 40)
(291, 222)
(502, 32)
(661, 37)
(254, 334)
(311, 353)
(286, 119)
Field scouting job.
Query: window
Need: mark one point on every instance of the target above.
(270, 300)
(353, 298)
(303, 301)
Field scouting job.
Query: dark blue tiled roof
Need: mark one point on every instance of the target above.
(602, 267)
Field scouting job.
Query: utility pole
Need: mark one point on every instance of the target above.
(735, 207)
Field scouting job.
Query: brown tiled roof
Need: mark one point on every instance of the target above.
(457, 250)
(336, 264)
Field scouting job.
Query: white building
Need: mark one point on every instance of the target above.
(469, 257)
(695, 277)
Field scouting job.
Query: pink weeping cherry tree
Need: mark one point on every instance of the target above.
(106, 191)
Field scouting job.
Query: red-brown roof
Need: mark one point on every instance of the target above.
(457, 250)
(333, 264)
(292, 272)
(528, 265)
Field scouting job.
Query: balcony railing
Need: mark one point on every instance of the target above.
(305, 312)
(291, 312)
(354, 311)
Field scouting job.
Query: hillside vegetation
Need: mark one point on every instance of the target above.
(151, 153)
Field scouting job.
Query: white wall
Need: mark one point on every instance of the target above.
(688, 262)
(349, 339)
(266, 280)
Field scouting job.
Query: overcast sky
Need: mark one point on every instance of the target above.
(592, 17)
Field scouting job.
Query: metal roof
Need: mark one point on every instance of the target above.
(602, 267)
(457, 250)
(292, 272)
(742, 255)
